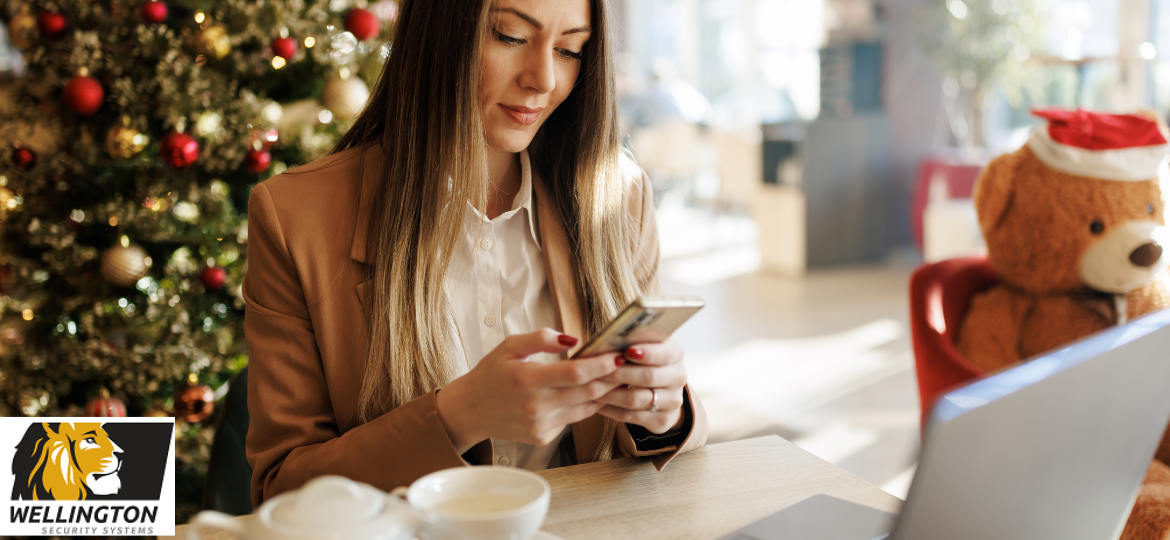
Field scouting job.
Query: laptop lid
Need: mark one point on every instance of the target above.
(1055, 447)
(820, 517)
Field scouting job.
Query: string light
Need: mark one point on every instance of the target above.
(27, 314)
(199, 16)
(277, 62)
(309, 42)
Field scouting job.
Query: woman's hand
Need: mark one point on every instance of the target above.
(507, 398)
(653, 365)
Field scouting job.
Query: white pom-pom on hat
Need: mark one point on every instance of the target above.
(1125, 147)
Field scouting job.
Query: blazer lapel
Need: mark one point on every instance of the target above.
(558, 266)
(370, 165)
(562, 286)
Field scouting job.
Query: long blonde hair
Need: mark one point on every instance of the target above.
(424, 111)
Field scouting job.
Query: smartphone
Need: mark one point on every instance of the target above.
(649, 319)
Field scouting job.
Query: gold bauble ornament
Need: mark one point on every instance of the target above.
(123, 142)
(214, 41)
(345, 98)
(22, 29)
(123, 266)
(5, 196)
(157, 410)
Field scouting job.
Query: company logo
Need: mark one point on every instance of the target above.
(78, 476)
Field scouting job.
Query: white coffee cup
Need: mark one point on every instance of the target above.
(463, 503)
(482, 503)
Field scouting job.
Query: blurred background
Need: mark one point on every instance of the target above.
(806, 156)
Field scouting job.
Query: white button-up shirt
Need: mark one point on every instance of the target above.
(496, 286)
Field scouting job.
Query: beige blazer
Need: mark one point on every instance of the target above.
(307, 296)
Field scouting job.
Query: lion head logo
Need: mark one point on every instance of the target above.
(66, 462)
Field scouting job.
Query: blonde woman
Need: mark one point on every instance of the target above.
(403, 292)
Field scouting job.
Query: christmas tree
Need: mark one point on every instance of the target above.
(129, 147)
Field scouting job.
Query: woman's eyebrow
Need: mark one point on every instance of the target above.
(537, 23)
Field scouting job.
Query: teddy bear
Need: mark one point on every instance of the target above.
(1075, 232)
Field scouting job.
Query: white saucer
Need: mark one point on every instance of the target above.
(542, 535)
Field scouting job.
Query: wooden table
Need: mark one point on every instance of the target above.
(703, 494)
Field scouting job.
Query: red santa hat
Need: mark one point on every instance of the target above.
(1127, 147)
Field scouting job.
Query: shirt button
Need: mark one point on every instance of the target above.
(504, 461)
(490, 320)
(485, 243)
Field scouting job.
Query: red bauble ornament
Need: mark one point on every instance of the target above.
(179, 150)
(153, 11)
(24, 159)
(105, 406)
(83, 95)
(213, 277)
(362, 24)
(258, 161)
(194, 402)
(52, 25)
(284, 47)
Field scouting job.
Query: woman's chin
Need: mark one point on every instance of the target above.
(510, 141)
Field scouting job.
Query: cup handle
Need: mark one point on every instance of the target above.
(218, 520)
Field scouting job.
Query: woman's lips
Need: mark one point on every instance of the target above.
(522, 115)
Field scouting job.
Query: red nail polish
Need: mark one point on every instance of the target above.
(567, 341)
(634, 354)
(619, 361)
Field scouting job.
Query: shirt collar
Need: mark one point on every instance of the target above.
(522, 202)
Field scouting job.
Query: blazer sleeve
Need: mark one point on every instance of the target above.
(293, 434)
(646, 256)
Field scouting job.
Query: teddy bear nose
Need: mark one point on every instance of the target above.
(1146, 255)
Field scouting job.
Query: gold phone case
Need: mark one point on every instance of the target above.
(649, 319)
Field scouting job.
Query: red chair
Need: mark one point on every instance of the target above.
(940, 294)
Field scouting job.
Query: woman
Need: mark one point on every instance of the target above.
(401, 291)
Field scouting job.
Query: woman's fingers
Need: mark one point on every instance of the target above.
(655, 354)
(576, 395)
(577, 413)
(673, 375)
(570, 373)
(640, 399)
(521, 346)
(657, 422)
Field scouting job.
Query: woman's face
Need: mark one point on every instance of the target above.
(530, 63)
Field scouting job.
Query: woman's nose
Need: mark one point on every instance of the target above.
(539, 72)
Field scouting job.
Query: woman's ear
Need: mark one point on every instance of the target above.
(995, 192)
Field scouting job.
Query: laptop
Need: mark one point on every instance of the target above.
(1052, 448)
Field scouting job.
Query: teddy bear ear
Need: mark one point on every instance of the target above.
(994, 192)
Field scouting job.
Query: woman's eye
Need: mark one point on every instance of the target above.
(1149, 209)
(570, 54)
(509, 40)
